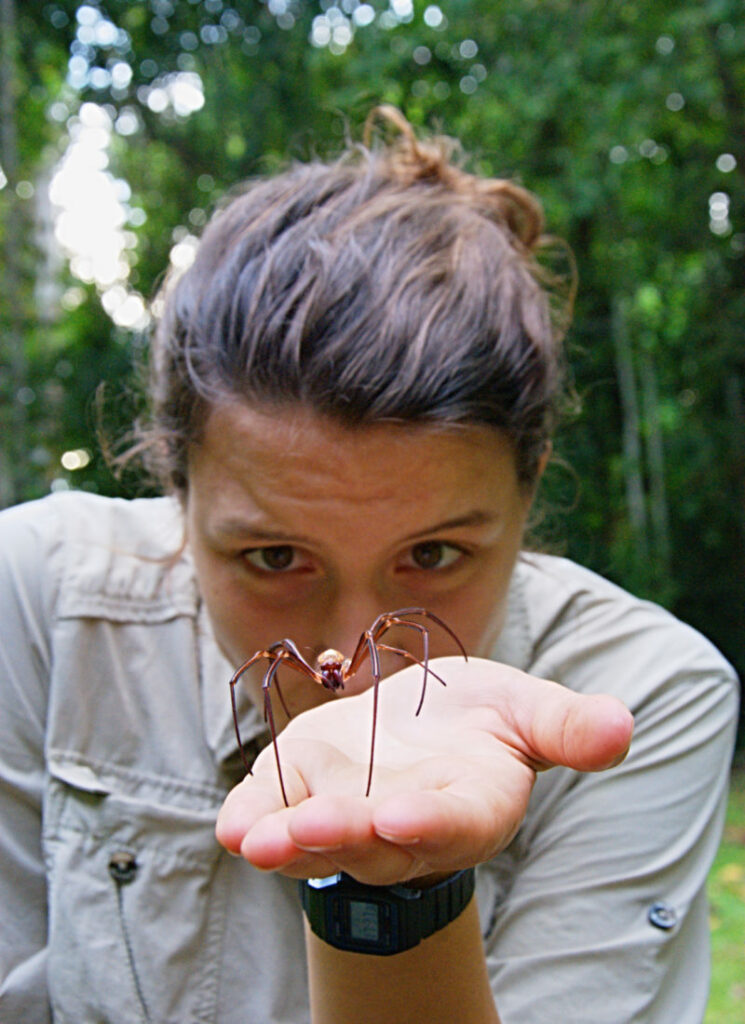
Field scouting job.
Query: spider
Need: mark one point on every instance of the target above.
(332, 671)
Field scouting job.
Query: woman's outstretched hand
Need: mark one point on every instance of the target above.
(449, 788)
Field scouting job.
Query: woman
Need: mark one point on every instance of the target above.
(353, 390)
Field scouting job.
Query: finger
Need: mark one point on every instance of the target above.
(252, 799)
(268, 846)
(341, 829)
(462, 824)
(584, 732)
(326, 823)
(540, 720)
(306, 837)
(337, 844)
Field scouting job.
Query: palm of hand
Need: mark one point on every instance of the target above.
(450, 787)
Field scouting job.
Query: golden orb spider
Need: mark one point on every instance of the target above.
(332, 671)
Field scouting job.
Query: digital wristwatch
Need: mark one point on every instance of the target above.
(381, 919)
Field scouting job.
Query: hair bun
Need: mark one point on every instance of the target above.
(433, 162)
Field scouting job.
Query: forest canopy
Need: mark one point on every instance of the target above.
(124, 123)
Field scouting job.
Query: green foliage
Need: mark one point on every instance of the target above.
(628, 120)
(727, 914)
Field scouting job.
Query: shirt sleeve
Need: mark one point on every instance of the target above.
(603, 914)
(27, 589)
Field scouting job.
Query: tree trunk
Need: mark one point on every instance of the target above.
(659, 517)
(12, 355)
(632, 447)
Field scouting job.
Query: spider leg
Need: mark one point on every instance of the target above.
(371, 648)
(234, 679)
(411, 657)
(378, 628)
(424, 632)
(361, 651)
(385, 621)
(369, 644)
(281, 697)
(293, 656)
(283, 650)
(394, 619)
(367, 647)
(434, 618)
(399, 618)
(269, 715)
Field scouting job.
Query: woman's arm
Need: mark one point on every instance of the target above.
(450, 789)
(442, 980)
(23, 696)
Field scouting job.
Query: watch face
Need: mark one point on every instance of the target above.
(364, 923)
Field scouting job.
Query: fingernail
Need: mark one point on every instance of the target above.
(620, 759)
(398, 839)
(331, 848)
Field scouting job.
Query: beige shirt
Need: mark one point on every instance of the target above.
(117, 748)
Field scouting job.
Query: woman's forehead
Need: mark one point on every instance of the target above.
(286, 435)
(263, 458)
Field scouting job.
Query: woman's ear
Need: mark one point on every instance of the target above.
(543, 461)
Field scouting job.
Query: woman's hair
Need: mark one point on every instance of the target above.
(389, 286)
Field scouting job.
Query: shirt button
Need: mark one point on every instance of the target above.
(123, 867)
(662, 915)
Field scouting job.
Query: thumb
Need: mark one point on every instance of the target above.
(586, 732)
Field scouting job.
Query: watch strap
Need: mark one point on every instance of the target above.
(399, 917)
(442, 903)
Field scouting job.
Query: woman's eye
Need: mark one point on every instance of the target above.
(434, 554)
(276, 558)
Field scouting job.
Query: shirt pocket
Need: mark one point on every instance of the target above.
(137, 899)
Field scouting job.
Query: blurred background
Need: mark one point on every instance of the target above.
(123, 123)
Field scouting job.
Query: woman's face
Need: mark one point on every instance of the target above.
(305, 529)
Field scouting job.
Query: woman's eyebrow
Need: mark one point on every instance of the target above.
(241, 527)
(233, 527)
(477, 517)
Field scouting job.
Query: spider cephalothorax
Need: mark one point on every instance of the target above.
(333, 668)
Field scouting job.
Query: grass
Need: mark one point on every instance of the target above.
(727, 912)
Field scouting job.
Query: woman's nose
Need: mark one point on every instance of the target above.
(344, 626)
